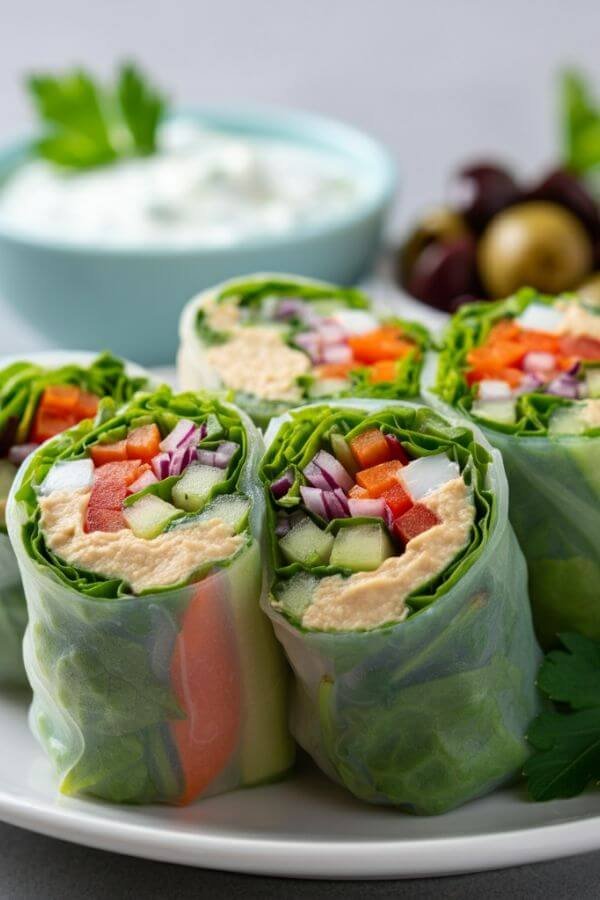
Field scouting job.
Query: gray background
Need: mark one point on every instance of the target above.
(438, 82)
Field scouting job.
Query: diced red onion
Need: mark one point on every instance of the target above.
(181, 459)
(160, 465)
(564, 385)
(225, 453)
(336, 353)
(529, 383)
(367, 507)
(310, 343)
(575, 368)
(335, 506)
(281, 486)
(535, 362)
(184, 433)
(314, 500)
(145, 480)
(315, 476)
(289, 307)
(18, 453)
(285, 523)
(333, 471)
(331, 331)
(207, 457)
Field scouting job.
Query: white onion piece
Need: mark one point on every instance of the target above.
(68, 476)
(330, 332)
(493, 389)
(367, 507)
(538, 361)
(424, 475)
(355, 321)
(336, 353)
(539, 317)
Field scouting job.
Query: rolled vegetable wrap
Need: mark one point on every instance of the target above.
(527, 369)
(400, 597)
(39, 398)
(277, 341)
(156, 676)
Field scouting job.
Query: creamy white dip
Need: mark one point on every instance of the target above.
(202, 187)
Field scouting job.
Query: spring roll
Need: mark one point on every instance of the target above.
(527, 369)
(40, 397)
(156, 677)
(399, 594)
(277, 341)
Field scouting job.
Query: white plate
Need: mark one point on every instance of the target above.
(301, 827)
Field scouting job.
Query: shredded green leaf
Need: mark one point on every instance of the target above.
(566, 739)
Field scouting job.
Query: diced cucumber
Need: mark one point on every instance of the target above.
(495, 410)
(326, 387)
(230, 508)
(592, 381)
(361, 548)
(149, 516)
(295, 595)
(307, 544)
(193, 488)
(343, 453)
(567, 420)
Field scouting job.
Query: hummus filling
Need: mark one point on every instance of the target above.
(371, 599)
(257, 360)
(165, 560)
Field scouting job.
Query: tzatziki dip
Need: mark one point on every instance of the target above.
(203, 187)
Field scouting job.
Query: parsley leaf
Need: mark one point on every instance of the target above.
(567, 738)
(71, 104)
(142, 108)
(581, 124)
(92, 126)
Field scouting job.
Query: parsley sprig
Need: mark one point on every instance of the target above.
(566, 739)
(89, 125)
(580, 124)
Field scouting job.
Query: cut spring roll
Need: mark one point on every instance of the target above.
(39, 398)
(400, 597)
(277, 341)
(156, 676)
(527, 369)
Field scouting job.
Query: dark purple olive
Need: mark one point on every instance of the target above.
(444, 271)
(480, 191)
(440, 224)
(565, 189)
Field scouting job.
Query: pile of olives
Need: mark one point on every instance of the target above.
(495, 236)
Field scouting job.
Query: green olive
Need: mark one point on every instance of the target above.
(589, 290)
(440, 224)
(540, 245)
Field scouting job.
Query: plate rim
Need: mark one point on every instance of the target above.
(291, 858)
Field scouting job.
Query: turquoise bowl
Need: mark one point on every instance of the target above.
(129, 299)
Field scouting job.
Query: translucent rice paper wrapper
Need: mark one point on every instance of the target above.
(555, 511)
(432, 712)
(13, 609)
(164, 697)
